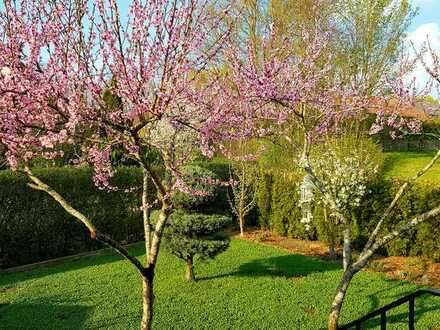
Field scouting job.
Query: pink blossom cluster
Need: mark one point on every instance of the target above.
(59, 58)
(222, 183)
(281, 87)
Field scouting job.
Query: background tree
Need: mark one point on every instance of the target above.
(242, 195)
(368, 39)
(243, 172)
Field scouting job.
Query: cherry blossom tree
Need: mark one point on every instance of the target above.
(299, 98)
(59, 58)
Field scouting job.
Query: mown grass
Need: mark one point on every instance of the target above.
(248, 287)
(407, 164)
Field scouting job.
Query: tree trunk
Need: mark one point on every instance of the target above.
(339, 299)
(148, 298)
(330, 236)
(346, 253)
(241, 221)
(190, 270)
(332, 251)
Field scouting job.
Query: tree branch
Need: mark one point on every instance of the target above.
(94, 233)
(400, 193)
(418, 219)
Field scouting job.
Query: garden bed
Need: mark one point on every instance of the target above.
(419, 270)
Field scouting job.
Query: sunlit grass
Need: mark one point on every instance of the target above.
(248, 287)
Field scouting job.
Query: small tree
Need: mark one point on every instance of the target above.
(346, 165)
(196, 235)
(242, 194)
(190, 233)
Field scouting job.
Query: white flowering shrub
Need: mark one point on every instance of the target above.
(345, 178)
(345, 167)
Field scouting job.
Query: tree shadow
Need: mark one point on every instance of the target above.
(43, 316)
(375, 301)
(9, 280)
(386, 295)
(291, 265)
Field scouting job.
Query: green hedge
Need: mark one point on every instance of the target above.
(33, 227)
(279, 211)
(423, 240)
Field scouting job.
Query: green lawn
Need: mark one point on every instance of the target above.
(407, 164)
(248, 287)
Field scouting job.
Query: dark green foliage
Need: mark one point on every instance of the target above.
(278, 198)
(423, 240)
(412, 143)
(193, 176)
(33, 227)
(197, 224)
(284, 206)
(264, 198)
(190, 235)
(283, 215)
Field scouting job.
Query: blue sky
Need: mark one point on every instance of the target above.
(429, 12)
(425, 25)
(427, 20)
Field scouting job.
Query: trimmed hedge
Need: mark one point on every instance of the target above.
(278, 198)
(33, 227)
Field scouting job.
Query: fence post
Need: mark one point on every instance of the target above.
(383, 320)
(411, 324)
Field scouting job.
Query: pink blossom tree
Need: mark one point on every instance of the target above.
(59, 58)
(299, 98)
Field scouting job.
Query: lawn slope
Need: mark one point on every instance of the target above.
(407, 164)
(248, 287)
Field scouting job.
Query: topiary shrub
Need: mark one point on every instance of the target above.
(190, 236)
(189, 233)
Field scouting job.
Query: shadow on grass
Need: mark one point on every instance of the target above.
(378, 298)
(10, 279)
(42, 316)
(291, 265)
(400, 319)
